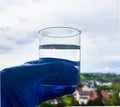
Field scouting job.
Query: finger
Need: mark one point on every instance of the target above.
(26, 75)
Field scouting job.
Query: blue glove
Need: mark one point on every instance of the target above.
(21, 86)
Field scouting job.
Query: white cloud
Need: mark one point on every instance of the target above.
(20, 55)
(108, 69)
(97, 19)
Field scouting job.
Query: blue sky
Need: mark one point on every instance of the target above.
(20, 21)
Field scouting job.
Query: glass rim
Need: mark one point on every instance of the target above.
(44, 29)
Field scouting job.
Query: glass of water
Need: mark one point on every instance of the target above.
(61, 44)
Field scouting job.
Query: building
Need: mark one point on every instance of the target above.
(87, 88)
(109, 84)
(84, 97)
(83, 94)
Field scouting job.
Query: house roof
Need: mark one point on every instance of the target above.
(85, 93)
(86, 85)
(105, 94)
(94, 94)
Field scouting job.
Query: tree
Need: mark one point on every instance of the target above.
(114, 100)
(106, 88)
(82, 77)
(67, 100)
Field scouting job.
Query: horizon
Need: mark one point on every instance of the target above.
(111, 73)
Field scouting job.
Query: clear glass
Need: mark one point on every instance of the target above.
(61, 44)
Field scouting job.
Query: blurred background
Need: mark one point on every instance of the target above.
(99, 20)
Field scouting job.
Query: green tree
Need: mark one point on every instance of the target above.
(82, 77)
(46, 104)
(114, 100)
(106, 88)
(62, 102)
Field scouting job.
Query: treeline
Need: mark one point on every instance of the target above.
(100, 76)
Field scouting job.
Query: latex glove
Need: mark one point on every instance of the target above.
(21, 85)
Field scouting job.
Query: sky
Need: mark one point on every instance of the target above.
(98, 20)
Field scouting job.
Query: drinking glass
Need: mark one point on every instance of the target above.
(61, 44)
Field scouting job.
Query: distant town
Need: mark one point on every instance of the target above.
(95, 89)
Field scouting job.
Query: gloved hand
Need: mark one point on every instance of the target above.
(21, 85)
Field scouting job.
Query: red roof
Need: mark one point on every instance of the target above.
(94, 94)
(105, 94)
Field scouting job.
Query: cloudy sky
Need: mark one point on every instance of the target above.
(20, 21)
